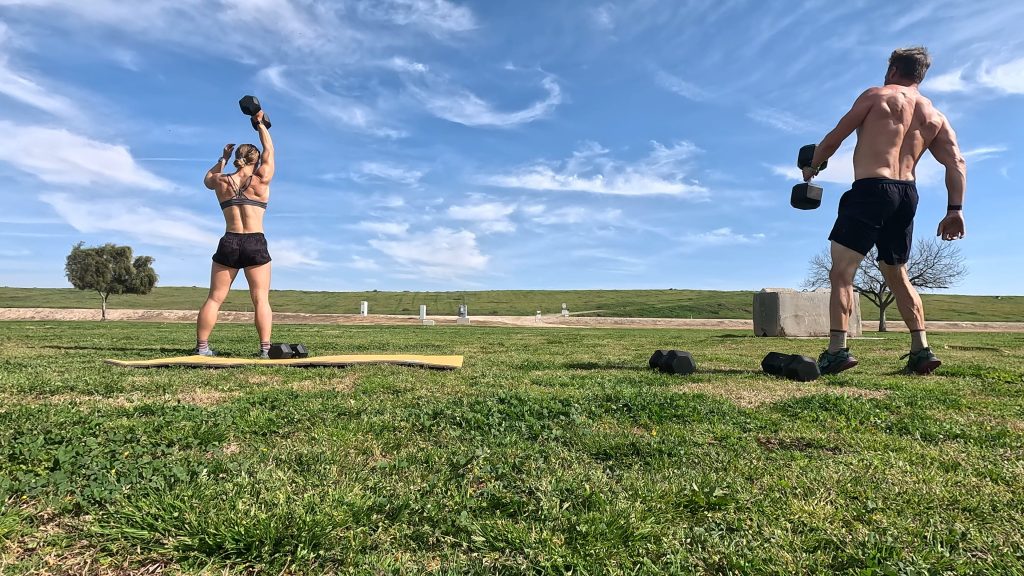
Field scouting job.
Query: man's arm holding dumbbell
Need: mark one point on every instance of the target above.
(834, 139)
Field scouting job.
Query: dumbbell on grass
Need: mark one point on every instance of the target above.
(791, 366)
(655, 361)
(250, 106)
(775, 363)
(802, 369)
(677, 362)
(299, 351)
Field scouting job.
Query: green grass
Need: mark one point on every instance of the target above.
(551, 451)
(612, 303)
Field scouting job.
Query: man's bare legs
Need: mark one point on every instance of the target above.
(922, 360)
(258, 278)
(844, 268)
(221, 278)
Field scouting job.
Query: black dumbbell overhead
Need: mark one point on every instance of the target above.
(806, 196)
(250, 106)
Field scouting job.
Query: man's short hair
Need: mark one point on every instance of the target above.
(911, 63)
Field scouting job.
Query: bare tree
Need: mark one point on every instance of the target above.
(932, 265)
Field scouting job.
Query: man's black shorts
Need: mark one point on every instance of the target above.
(878, 212)
(237, 250)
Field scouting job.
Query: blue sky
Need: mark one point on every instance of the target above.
(443, 145)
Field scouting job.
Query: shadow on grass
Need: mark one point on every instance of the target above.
(149, 351)
(634, 367)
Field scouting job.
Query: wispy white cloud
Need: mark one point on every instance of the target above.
(57, 156)
(984, 152)
(360, 263)
(663, 172)
(952, 81)
(295, 253)
(681, 87)
(19, 86)
(347, 111)
(369, 171)
(160, 226)
(488, 217)
(437, 17)
(578, 215)
(456, 104)
(718, 237)
(442, 253)
(781, 120)
(384, 228)
(1007, 77)
(603, 16)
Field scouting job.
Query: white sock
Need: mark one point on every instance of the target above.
(837, 340)
(918, 340)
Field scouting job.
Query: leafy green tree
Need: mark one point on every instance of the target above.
(109, 269)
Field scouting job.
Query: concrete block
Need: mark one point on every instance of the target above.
(426, 322)
(788, 312)
(462, 320)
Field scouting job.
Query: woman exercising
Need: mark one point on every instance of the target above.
(243, 199)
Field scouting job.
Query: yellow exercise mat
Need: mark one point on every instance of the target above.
(440, 362)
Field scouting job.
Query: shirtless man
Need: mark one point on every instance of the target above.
(895, 124)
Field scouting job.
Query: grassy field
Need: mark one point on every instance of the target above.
(551, 451)
(613, 303)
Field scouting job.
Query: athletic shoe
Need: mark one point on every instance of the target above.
(836, 362)
(921, 362)
(208, 352)
(263, 355)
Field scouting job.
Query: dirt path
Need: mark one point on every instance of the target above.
(189, 316)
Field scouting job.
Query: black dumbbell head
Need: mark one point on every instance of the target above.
(250, 105)
(801, 369)
(280, 351)
(806, 196)
(655, 361)
(683, 364)
(666, 360)
(299, 351)
(775, 363)
(806, 156)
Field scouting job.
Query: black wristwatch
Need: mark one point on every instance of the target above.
(951, 207)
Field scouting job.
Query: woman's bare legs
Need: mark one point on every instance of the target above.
(221, 278)
(258, 278)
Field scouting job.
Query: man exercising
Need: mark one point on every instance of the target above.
(895, 124)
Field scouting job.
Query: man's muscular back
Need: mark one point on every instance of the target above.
(898, 126)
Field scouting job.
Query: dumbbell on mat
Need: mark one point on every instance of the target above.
(791, 366)
(250, 106)
(673, 362)
(282, 351)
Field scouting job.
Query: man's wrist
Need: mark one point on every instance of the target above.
(954, 208)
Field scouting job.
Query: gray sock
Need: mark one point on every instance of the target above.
(837, 340)
(918, 340)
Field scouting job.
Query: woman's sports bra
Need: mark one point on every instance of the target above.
(240, 199)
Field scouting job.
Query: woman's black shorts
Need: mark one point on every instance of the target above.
(237, 250)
